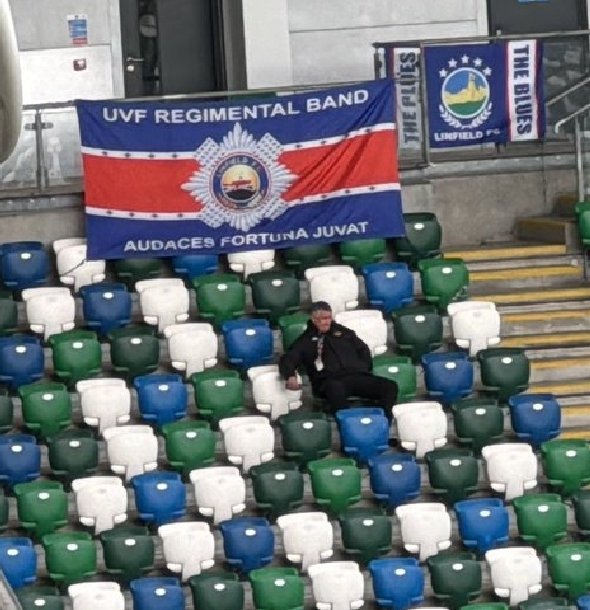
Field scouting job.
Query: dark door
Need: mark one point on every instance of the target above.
(131, 48)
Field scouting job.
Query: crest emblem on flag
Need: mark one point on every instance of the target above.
(240, 180)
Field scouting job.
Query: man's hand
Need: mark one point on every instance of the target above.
(292, 383)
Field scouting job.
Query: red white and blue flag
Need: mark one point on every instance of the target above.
(169, 178)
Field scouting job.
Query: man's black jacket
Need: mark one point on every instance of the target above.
(343, 354)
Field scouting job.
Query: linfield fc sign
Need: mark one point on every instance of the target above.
(171, 178)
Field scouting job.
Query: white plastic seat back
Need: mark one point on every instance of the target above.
(220, 492)
(477, 327)
(192, 347)
(421, 426)
(49, 310)
(101, 502)
(73, 266)
(96, 596)
(164, 301)
(59, 244)
(425, 528)
(131, 450)
(335, 284)
(511, 467)
(269, 391)
(105, 402)
(307, 537)
(457, 306)
(248, 441)
(369, 326)
(516, 573)
(189, 547)
(337, 585)
(252, 261)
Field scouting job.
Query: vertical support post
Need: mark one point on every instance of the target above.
(41, 171)
(579, 160)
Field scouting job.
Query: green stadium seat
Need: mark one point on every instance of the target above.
(218, 394)
(453, 473)
(189, 444)
(292, 326)
(455, 578)
(583, 213)
(128, 551)
(335, 483)
(566, 463)
(366, 533)
(478, 422)
(569, 568)
(6, 410)
(8, 313)
(305, 436)
(443, 280)
(220, 297)
(504, 371)
(301, 258)
(70, 557)
(417, 330)
(486, 606)
(40, 598)
(423, 238)
(359, 252)
(581, 501)
(401, 370)
(46, 408)
(277, 486)
(131, 270)
(76, 355)
(274, 294)
(135, 350)
(42, 506)
(73, 454)
(546, 603)
(541, 519)
(217, 590)
(277, 589)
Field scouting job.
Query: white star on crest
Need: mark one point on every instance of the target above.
(477, 62)
(443, 73)
(452, 63)
(465, 59)
(487, 71)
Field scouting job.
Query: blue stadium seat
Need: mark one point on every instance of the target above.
(161, 398)
(389, 286)
(583, 602)
(20, 458)
(190, 266)
(448, 376)
(248, 342)
(535, 418)
(22, 360)
(395, 478)
(483, 523)
(106, 306)
(248, 542)
(398, 582)
(364, 432)
(160, 497)
(157, 593)
(23, 264)
(18, 561)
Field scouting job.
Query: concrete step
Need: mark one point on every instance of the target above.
(550, 229)
(576, 416)
(511, 250)
(552, 339)
(556, 369)
(565, 205)
(566, 387)
(549, 276)
(579, 433)
(526, 263)
(579, 292)
(545, 321)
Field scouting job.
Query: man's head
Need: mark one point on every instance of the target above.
(321, 316)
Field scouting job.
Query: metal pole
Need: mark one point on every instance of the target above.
(579, 160)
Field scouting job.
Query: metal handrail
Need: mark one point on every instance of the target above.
(567, 91)
(571, 116)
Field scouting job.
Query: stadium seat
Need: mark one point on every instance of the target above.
(35, 597)
(388, 286)
(337, 584)
(105, 402)
(220, 297)
(516, 573)
(511, 468)
(398, 583)
(135, 350)
(160, 497)
(421, 426)
(448, 376)
(360, 252)
(504, 371)
(546, 603)
(23, 264)
(443, 280)
(277, 487)
(101, 502)
(189, 444)
(452, 473)
(394, 478)
(161, 398)
(582, 210)
(248, 441)
(248, 543)
(369, 325)
(274, 294)
(269, 392)
(192, 347)
(581, 503)
(18, 561)
(483, 523)
(190, 266)
(335, 284)
(73, 267)
(157, 593)
(218, 394)
(417, 331)
(22, 360)
(96, 596)
(20, 459)
(425, 528)
(217, 590)
(401, 370)
(76, 355)
(42, 506)
(307, 537)
(69, 556)
(366, 533)
(475, 325)
(248, 343)
(455, 578)
(335, 483)
(277, 589)
(364, 432)
(128, 551)
(106, 307)
(8, 313)
(301, 258)
(478, 422)
(541, 519)
(305, 436)
(50, 310)
(252, 261)
(485, 606)
(535, 418)
(292, 326)
(583, 602)
(569, 568)
(422, 240)
(220, 492)
(163, 301)
(46, 408)
(566, 464)
(131, 450)
(73, 454)
(131, 270)
(188, 547)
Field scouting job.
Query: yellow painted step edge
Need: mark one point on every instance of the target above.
(491, 254)
(574, 433)
(559, 363)
(546, 339)
(567, 387)
(581, 411)
(526, 273)
(540, 296)
(542, 316)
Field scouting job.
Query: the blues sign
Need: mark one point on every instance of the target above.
(485, 93)
(165, 178)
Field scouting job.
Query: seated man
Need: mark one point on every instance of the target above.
(337, 363)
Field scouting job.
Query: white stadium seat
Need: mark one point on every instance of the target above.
(335, 284)
(516, 573)
(337, 585)
(220, 492)
(252, 261)
(101, 502)
(425, 528)
(248, 441)
(307, 537)
(164, 301)
(105, 402)
(131, 450)
(192, 346)
(270, 394)
(475, 325)
(96, 596)
(511, 467)
(421, 426)
(369, 326)
(50, 310)
(73, 267)
(189, 547)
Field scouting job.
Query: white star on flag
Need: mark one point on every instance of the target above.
(477, 62)
(443, 73)
(487, 71)
(452, 63)
(465, 59)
